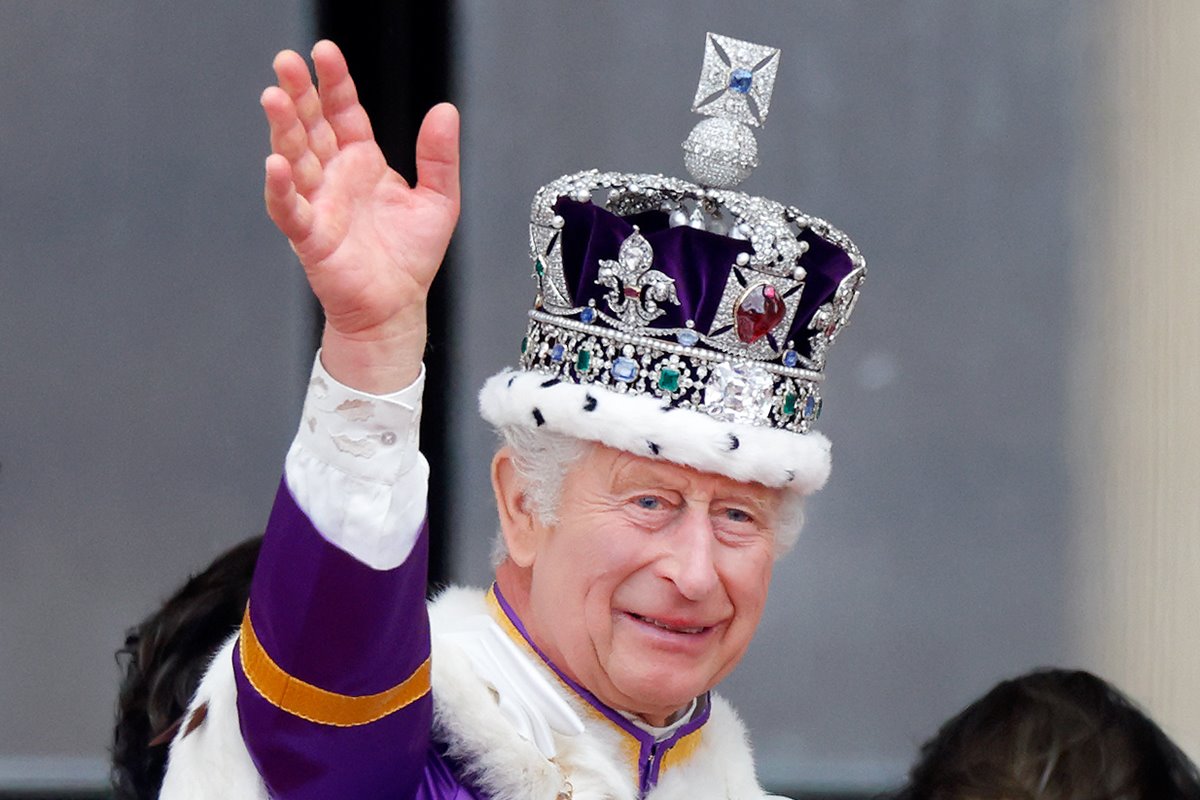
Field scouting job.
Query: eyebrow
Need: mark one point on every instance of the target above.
(636, 474)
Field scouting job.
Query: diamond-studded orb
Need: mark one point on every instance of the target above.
(720, 152)
(739, 393)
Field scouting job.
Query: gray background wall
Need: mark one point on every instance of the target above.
(155, 330)
(153, 339)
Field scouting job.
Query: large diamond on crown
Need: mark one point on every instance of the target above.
(738, 393)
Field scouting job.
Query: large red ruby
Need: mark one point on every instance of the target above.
(758, 312)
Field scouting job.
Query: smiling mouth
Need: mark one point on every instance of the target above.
(664, 626)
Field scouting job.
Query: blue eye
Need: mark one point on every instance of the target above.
(649, 503)
(738, 515)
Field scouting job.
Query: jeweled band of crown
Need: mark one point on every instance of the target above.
(683, 377)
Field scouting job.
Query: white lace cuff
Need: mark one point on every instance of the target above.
(355, 468)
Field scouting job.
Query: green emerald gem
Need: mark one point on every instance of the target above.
(668, 379)
(789, 404)
(524, 344)
(539, 267)
(583, 361)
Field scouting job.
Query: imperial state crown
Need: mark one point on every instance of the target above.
(686, 321)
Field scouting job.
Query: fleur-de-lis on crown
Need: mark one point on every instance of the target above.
(635, 290)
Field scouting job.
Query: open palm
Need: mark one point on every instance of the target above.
(370, 244)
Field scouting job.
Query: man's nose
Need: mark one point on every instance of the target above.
(691, 563)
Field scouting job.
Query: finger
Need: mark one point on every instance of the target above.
(290, 212)
(437, 152)
(339, 98)
(290, 139)
(295, 79)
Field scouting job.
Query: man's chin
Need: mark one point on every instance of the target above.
(657, 696)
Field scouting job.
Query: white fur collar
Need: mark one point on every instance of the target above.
(596, 764)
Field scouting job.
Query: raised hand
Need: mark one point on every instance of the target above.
(370, 244)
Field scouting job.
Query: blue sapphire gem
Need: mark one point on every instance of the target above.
(588, 314)
(624, 369)
(790, 358)
(687, 338)
(557, 353)
(810, 406)
(740, 79)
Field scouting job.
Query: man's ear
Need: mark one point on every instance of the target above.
(518, 524)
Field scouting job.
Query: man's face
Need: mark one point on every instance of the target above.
(649, 588)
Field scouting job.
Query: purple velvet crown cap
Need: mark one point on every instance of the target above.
(698, 261)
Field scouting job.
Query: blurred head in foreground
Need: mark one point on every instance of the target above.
(1052, 735)
(163, 659)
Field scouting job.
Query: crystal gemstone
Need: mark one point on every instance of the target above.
(624, 369)
(556, 354)
(668, 379)
(588, 314)
(738, 393)
(740, 80)
(687, 338)
(758, 311)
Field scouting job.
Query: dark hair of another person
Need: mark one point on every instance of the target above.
(164, 658)
(1052, 735)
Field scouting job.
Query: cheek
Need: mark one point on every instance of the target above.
(579, 574)
(747, 581)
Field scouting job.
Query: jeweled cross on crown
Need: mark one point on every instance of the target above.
(735, 87)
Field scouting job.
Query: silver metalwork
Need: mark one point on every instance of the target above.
(636, 290)
(736, 80)
(725, 61)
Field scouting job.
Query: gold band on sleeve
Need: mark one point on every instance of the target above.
(318, 705)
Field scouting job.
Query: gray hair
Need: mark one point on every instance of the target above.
(543, 458)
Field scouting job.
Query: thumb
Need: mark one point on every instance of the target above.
(437, 152)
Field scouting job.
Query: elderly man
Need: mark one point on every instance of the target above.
(656, 454)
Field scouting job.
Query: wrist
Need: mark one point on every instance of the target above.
(374, 363)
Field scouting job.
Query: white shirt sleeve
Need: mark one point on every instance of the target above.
(355, 468)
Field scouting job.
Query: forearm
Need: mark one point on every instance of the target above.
(332, 660)
(332, 667)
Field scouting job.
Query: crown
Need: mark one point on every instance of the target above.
(690, 297)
